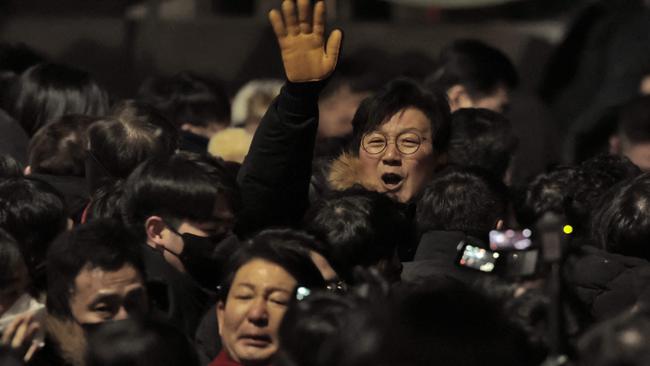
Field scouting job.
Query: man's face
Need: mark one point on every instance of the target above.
(337, 111)
(254, 308)
(639, 154)
(101, 295)
(220, 226)
(401, 176)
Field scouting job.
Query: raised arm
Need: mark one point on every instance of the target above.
(274, 178)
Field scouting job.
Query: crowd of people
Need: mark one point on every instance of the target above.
(333, 218)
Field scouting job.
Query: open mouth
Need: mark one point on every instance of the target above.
(392, 180)
(256, 340)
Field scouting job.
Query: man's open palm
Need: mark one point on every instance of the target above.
(301, 41)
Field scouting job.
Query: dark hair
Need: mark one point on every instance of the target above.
(481, 139)
(394, 97)
(8, 357)
(593, 178)
(621, 340)
(547, 192)
(59, 148)
(137, 342)
(622, 223)
(33, 213)
(438, 325)
(104, 244)
(12, 264)
(477, 66)
(132, 134)
(183, 186)
(459, 199)
(634, 120)
(48, 91)
(188, 98)
(361, 228)
(327, 328)
(284, 247)
(9, 167)
(106, 202)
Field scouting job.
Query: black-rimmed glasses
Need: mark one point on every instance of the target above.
(407, 143)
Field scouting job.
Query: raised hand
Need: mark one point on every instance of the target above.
(20, 334)
(301, 40)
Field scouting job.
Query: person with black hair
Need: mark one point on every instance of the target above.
(47, 91)
(207, 335)
(482, 139)
(9, 167)
(57, 155)
(592, 179)
(328, 328)
(139, 342)
(622, 222)
(474, 75)
(259, 280)
(547, 192)
(448, 323)
(399, 137)
(620, 340)
(457, 206)
(131, 134)
(197, 106)
(34, 213)
(96, 275)
(18, 309)
(106, 202)
(361, 228)
(632, 138)
(183, 211)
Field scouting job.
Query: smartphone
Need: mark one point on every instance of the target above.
(478, 258)
(510, 239)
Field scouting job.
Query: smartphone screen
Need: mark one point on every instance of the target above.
(510, 239)
(478, 258)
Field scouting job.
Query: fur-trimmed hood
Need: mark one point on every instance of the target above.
(345, 173)
(68, 339)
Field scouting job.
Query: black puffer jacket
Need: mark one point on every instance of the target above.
(607, 283)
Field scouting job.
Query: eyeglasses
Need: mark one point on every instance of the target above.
(407, 143)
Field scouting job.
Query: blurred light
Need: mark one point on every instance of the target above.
(527, 233)
(568, 229)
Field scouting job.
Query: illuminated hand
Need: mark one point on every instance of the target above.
(302, 41)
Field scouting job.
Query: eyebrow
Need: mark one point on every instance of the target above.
(107, 297)
(267, 290)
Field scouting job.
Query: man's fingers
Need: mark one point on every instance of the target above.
(278, 25)
(319, 18)
(333, 49)
(20, 335)
(290, 21)
(303, 16)
(9, 331)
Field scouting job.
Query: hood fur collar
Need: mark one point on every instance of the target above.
(345, 173)
(68, 337)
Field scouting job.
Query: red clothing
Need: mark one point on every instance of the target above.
(223, 359)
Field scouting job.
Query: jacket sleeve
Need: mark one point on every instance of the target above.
(274, 178)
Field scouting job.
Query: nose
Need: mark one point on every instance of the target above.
(121, 314)
(392, 156)
(258, 313)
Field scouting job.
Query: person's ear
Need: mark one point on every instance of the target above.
(27, 170)
(459, 98)
(155, 228)
(615, 145)
(499, 225)
(221, 307)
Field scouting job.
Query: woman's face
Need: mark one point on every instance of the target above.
(250, 317)
(406, 163)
